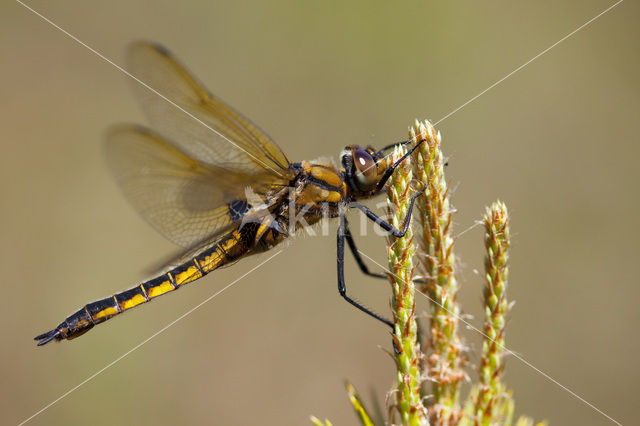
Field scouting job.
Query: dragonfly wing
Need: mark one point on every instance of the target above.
(200, 124)
(184, 199)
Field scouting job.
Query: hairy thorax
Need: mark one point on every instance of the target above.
(317, 192)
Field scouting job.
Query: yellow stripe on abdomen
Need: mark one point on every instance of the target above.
(185, 277)
(107, 312)
(222, 253)
(227, 249)
(132, 302)
(157, 289)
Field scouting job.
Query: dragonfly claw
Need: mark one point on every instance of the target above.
(49, 336)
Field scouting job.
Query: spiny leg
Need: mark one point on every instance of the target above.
(363, 267)
(393, 145)
(356, 254)
(384, 224)
(387, 173)
(342, 287)
(343, 231)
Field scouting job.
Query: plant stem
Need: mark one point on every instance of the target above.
(408, 401)
(496, 306)
(437, 263)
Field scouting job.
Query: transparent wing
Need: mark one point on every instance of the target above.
(183, 198)
(198, 123)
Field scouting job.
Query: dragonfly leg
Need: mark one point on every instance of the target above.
(387, 174)
(360, 261)
(356, 253)
(342, 287)
(393, 145)
(384, 224)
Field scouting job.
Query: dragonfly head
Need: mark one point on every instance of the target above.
(360, 169)
(364, 168)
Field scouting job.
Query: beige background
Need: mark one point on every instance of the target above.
(558, 142)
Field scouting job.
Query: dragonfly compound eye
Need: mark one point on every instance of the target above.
(366, 169)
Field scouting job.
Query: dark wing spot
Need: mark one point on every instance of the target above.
(237, 209)
(161, 49)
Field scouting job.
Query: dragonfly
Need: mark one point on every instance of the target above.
(214, 183)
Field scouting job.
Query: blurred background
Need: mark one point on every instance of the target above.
(557, 141)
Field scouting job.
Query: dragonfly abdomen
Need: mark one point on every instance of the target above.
(226, 250)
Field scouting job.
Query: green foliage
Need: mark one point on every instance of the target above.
(407, 401)
(442, 364)
(361, 412)
(445, 361)
(318, 422)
